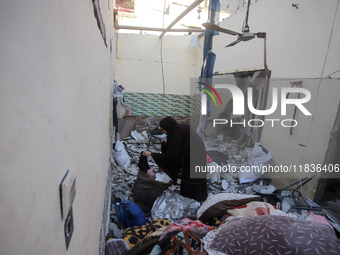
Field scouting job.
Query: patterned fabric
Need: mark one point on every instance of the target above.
(135, 234)
(191, 242)
(116, 247)
(164, 245)
(271, 234)
(214, 222)
(185, 224)
(145, 246)
(255, 209)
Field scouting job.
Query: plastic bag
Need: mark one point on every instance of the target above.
(259, 157)
(120, 107)
(129, 213)
(173, 206)
(157, 131)
(146, 190)
(120, 155)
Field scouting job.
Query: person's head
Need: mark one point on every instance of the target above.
(164, 131)
(168, 125)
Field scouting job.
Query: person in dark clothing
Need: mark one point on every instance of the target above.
(182, 151)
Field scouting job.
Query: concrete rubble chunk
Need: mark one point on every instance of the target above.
(264, 189)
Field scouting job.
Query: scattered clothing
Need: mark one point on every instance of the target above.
(185, 242)
(164, 245)
(251, 227)
(185, 224)
(116, 246)
(135, 234)
(255, 209)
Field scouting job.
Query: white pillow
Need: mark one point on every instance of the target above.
(217, 205)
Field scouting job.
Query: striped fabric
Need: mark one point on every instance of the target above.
(116, 247)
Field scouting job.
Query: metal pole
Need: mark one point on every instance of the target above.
(185, 12)
(161, 29)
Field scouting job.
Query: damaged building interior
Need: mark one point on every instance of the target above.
(170, 127)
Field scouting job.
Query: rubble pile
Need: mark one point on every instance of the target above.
(223, 152)
(171, 212)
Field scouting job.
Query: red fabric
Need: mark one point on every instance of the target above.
(209, 160)
(255, 209)
(262, 211)
(239, 207)
(318, 218)
(184, 224)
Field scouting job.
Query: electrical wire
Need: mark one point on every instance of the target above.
(322, 72)
(329, 76)
(161, 48)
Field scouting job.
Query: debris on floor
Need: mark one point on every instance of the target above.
(174, 222)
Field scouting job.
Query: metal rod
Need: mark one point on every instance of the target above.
(304, 183)
(246, 27)
(185, 12)
(265, 55)
(294, 183)
(190, 30)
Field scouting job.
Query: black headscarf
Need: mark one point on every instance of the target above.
(172, 128)
(177, 144)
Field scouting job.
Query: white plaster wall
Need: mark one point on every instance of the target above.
(138, 63)
(302, 44)
(54, 115)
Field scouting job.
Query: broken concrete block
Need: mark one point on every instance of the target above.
(220, 137)
(225, 185)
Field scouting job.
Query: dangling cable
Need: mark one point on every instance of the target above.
(162, 68)
(322, 72)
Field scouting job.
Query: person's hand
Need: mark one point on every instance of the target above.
(146, 154)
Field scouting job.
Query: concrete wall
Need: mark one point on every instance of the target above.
(302, 44)
(297, 39)
(54, 115)
(140, 66)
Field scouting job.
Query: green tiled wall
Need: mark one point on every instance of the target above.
(148, 104)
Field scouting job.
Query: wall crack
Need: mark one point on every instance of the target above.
(99, 18)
